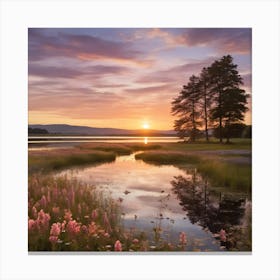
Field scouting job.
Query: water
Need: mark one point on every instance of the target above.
(107, 139)
(163, 196)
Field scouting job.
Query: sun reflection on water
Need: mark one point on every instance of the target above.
(145, 140)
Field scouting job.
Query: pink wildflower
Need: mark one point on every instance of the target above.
(31, 224)
(135, 241)
(43, 220)
(63, 226)
(79, 208)
(183, 238)
(43, 202)
(92, 228)
(53, 239)
(67, 215)
(223, 236)
(94, 214)
(118, 246)
(73, 228)
(55, 229)
(55, 210)
(107, 222)
(49, 196)
(84, 229)
(34, 212)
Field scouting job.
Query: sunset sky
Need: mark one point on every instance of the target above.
(122, 78)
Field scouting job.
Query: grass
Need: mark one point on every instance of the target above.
(220, 173)
(117, 149)
(61, 160)
(211, 146)
(165, 157)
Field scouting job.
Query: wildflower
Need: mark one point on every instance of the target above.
(79, 208)
(107, 222)
(223, 237)
(34, 212)
(92, 228)
(63, 226)
(106, 234)
(43, 202)
(43, 220)
(55, 229)
(135, 241)
(55, 210)
(53, 239)
(84, 229)
(183, 238)
(67, 215)
(31, 224)
(118, 246)
(73, 228)
(94, 214)
(49, 196)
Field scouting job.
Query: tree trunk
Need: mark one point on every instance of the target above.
(193, 123)
(220, 129)
(220, 118)
(205, 115)
(227, 131)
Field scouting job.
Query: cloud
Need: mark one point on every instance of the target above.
(67, 72)
(226, 40)
(178, 74)
(78, 46)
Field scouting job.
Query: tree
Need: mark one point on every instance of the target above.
(235, 107)
(185, 106)
(206, 98)
(229, 100)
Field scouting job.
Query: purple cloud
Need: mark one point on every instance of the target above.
(226, 40)
(77, 46)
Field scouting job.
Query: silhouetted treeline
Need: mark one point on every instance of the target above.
(37, 131)
(215, 98)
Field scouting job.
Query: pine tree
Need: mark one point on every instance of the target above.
(185, 106)
(229, 100)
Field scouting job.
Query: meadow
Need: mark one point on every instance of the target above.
(69, 215)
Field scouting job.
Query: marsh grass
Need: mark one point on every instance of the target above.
(58, 161)
(118, 149)
(220, 173)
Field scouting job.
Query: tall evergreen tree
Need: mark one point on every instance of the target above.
(185, 106)
(229, 100)
(206, 98)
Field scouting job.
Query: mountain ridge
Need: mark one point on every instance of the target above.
(97, 131)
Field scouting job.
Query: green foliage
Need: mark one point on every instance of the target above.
(214, 95)
(186, 107)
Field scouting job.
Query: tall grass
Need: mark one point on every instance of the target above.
(220, 173)
(59, 161)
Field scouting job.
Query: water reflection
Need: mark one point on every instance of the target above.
(164, 197)
(213, 211)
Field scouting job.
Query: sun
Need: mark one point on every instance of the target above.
(146, 126)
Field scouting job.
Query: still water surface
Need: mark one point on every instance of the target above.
(105, 139)
(164, 196)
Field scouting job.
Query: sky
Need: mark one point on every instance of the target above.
(123, 77)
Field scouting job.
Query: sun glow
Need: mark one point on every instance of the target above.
(146, 126)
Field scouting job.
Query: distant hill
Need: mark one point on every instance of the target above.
(37, 131)
(97, 131)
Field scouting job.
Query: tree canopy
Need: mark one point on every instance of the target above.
(212, 97)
